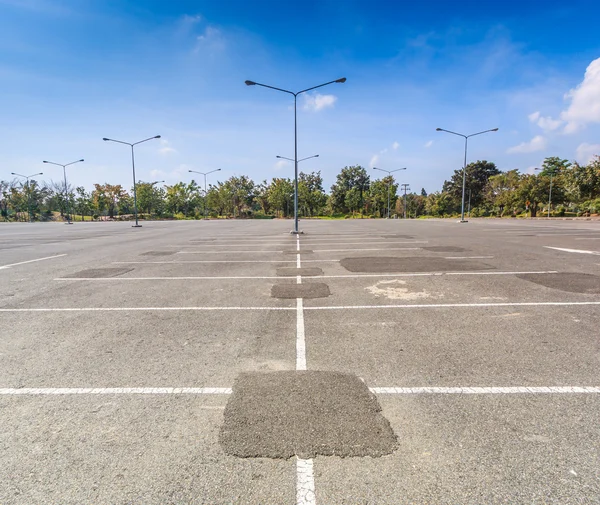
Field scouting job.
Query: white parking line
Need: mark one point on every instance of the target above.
(579, 251)
(314, 250)
(488, 390)
(31, 261)
(468, 257)
(114, 391)
(218, 261)
(455, 305)
(258, 277)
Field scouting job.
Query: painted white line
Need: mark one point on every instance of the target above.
(114, 391)
(341, 276)
(305, 482)
(588, 238)
(320, 242)
(579, 251)
(386, 249)
(468, 257)
(300, 340)
(142, 309)
(455, 305)
(314, 250)
(31, 261)
(217, 261)
(487, 390)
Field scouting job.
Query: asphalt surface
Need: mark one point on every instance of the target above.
(491, 303)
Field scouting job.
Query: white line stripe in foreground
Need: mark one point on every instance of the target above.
(305, 482)
(219, 261)
(579, 251)
(487, 390)
(115, 391)
(31, 261)
(279, 251)
(333, 307)
(207, 278)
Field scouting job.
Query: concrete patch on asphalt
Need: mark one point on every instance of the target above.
(385, 264)
(305, 414)
(158, 253)
(572, 282)
(293, 271)
(398, 290)
(306, 290)
(444, 248)
(98, 273)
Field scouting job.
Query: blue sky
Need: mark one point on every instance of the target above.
(74, 71)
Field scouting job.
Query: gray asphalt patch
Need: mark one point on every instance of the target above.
(399, 236)
(295, 251)
(98, 273)
(571, 282)
(444, 248)
(292, 272)
(306, 290)
(158, 253)
(382, 264)
(307, 413)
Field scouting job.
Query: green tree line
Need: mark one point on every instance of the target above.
(488, 192)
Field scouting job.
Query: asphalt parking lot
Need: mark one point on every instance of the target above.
(404, 362)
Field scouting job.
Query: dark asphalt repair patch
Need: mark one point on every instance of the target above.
(382, 264)
(307, 413)
(444, 248)
(292, 271)
(98, 273)
(306, 290)
(158, 253)
(571, 282)
(295, 251)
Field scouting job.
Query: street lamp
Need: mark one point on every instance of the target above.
(466, 137)
(550, 194)
(205, 191)
(405, 187)
(303, 159)
(28, 190)
(252, 83)
(66, 192)
(137, 225)
(389, 172)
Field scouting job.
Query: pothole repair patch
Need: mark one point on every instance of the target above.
(306, 290)
(293, 272)
(98, 273)
(571, 282)
(398, 290)
(382, 264)
(444, 248)
(158, 253)
(306, 413)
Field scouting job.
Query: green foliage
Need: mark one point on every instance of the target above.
(347, 194)
(477, 175)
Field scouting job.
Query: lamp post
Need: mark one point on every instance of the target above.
(550, 194)
(137, 225)
(389, 172)
(28, 190)
(405, 187)
(66, 191)
(466, 137)
(295, 94)
(290, 159)
(205, 192)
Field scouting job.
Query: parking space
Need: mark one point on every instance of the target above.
(119, 349)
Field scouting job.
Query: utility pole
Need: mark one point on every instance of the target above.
(405, 187)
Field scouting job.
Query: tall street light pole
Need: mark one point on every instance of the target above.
(550, 194)
(137, 225)
(290, 159)
(405, 187)
(205, 192)
(389, 172)
(466, 137)
(28, 190)
(295, 94)
(66, 191)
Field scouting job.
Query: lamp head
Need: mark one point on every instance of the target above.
(495, 129)
(341, 80)
(438, 129)
(105, 138)
(44, 161)
(316, 155)
(81, 159)
(157, 137)
(218, 170)
(250, 83)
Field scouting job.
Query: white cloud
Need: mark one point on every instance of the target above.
(319, 102)
(374, 160)
(166, 148)
(383, 151)
(585, 100)
(586, 152)
(395, 146)
(537, 143)
(211, 41)
(280, 164)
(545, 123)
(428, 144)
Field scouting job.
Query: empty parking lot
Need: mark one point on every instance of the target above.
(362, 362)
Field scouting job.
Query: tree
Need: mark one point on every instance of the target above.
(150, 199)
(379, 195)
(423, 192)
(182, 198)
(281, 196)
(502, 191)
(347, 194)
(106, 197)
(311, 196)
(242, 191)
(477, 175)
(83, 202)
(553, 166)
